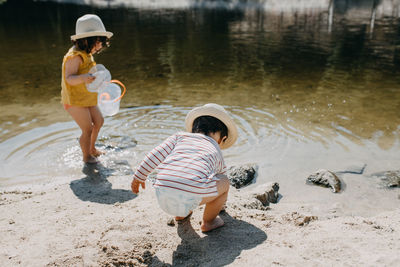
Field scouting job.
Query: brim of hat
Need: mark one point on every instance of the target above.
(90, 34)
(219, 114)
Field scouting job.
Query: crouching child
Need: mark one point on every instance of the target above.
(191, 168)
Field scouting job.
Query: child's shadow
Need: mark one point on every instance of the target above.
(96, 188)
(220, 247)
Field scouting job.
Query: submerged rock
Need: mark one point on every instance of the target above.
(116, 142)
(325, 178)
(240, 176)
(388, 179)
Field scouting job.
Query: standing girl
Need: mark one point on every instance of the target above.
(91, 37)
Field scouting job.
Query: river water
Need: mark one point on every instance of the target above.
(311, 84)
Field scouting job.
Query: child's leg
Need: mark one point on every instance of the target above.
(214, 205)
(82, 117)
(98, 120)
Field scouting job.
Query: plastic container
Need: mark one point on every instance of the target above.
(109, 97)
(102, 76)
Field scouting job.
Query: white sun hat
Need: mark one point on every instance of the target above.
(90, 25)
(218, 112)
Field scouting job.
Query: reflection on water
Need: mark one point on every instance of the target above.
(299, 77)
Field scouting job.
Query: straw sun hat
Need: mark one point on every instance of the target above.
(90, 25)
(218, 112)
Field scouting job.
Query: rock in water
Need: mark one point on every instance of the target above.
(240, 176)
(116, 142)
(388, 178)
(325, 178)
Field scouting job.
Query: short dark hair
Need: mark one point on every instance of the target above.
(209, 124)
(87, 44)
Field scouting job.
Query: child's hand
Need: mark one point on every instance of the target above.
(88, 78)
(135, 186)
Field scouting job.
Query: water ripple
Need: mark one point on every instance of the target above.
(53, 151)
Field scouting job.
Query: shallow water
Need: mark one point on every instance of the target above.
(310, 86)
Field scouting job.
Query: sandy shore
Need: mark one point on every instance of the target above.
(99, 222)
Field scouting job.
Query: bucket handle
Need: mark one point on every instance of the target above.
(122, 85)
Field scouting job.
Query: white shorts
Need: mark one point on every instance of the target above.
(175, 202)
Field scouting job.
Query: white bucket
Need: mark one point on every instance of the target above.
(101, 75)
(109, 97)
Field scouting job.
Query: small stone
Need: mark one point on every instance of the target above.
(325, 178)
(388, 179)
(262, 196)
(306, 220)
(171, 222)
(269, 193)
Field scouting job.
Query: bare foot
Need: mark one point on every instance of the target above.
(96, 153)
(90, 160)
(214, 224)
(182, 219)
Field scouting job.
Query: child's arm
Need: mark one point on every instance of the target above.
(71, 69)
(151, 161)
(221, 166)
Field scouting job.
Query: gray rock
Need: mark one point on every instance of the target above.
(240, 176)
(262, 196)
(388, 179)
(268, 193)
(325, 178)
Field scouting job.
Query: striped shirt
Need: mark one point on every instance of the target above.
(187, 162)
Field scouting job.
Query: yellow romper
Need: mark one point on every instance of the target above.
(77, 95)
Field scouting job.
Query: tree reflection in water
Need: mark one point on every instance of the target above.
(328, 67)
